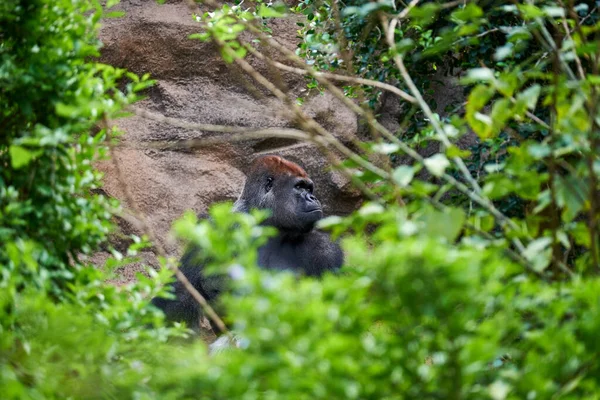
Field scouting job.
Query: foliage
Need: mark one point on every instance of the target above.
(56, 313)
(446, 293)
(51, 97)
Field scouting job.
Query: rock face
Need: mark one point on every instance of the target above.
(195, 85)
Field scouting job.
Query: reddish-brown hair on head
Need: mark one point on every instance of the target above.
(277, 165)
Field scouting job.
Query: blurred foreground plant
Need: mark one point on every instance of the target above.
(461, 282)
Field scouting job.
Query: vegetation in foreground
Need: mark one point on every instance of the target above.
(466, 276)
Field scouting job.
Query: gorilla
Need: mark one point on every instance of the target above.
(284, 188)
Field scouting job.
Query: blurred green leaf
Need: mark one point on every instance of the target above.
(20, 156)
(437, 164)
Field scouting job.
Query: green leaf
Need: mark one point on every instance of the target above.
(370, 209)
(451, 131)
(530, 96)
(467, 13)
(570, 195)
(447, 224)
(423, 15)
(479, 75)
(201, 36)
(581, 234)
(478, 98)
(403, 175)
(114, 14)
(385, 148)
(454, 151)
(539, 151)
(350, 10)
(404, 45)
(529, 11)
(67, 110)
(539, 253)
(112, 3)
(483, 222)
(367, 8)
(329, 222)
(499, 390)
(554, 12)
(20, 156)
(265, 11)
(503, 52)
(593, 79)
(498, 186)
(437, 164)
(518, 33)
(501, 113)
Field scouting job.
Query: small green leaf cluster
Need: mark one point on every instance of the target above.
(206, 237)
(225, 24)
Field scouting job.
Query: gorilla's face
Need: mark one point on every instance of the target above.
(283, 187)
(292, 203)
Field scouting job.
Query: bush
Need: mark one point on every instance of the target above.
(489, 292)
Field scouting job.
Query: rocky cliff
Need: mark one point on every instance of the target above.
(195, 85)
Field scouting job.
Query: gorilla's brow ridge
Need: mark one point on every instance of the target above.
(278, 165)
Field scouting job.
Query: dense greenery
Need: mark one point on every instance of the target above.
(456, 285)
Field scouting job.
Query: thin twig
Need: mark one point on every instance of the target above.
(389, 33)
(587, 16)
(503, 220)
(197, 143)
(336, 77)
(189, 125)
(577, 60)
(405, 12)
(145, 227)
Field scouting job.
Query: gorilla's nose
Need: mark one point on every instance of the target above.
(311, 198)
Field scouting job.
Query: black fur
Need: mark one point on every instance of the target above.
(284, 188)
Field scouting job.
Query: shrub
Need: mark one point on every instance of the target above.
(441, 296)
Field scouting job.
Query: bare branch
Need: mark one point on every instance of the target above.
(188, 125)
(210, 312)
(389, 30)
(484, 202)
(577, 60)
(336, 77)
(410, 6)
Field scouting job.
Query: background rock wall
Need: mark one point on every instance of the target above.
(194, 85)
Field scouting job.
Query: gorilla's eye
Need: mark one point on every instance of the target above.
(304, 186)
(269, 184)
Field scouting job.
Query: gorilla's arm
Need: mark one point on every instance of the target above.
(184, 308)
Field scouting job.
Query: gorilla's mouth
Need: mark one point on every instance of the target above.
(313, 210)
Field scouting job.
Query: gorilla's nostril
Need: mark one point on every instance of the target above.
(310, 197)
